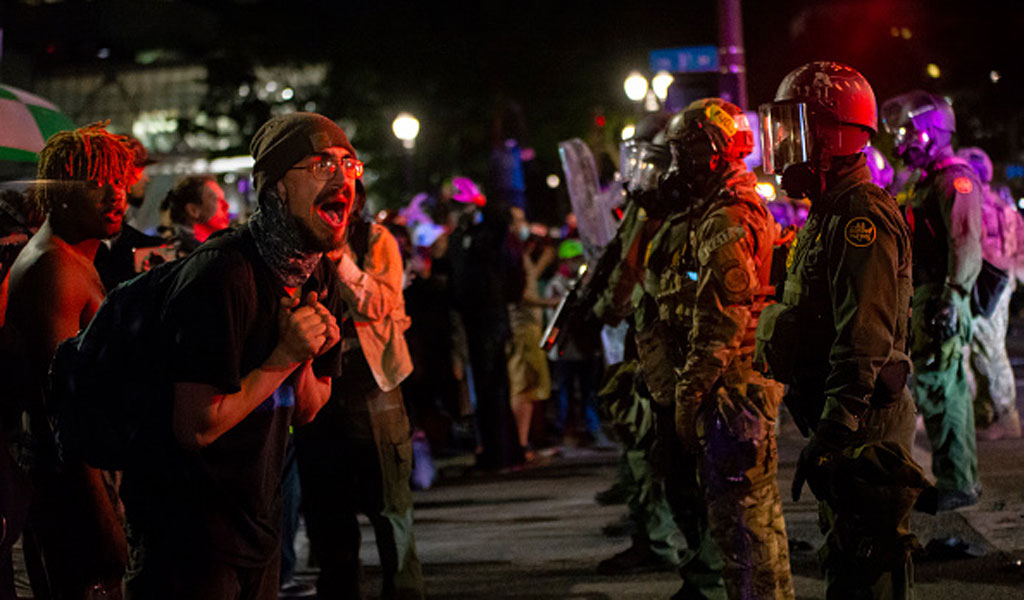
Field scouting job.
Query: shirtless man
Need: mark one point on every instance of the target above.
(54, 292)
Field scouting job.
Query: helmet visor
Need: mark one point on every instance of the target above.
(785, 135)
(642, 165)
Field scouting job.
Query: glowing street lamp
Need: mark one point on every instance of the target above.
(660, 83)
(406, 128)
(635, 86)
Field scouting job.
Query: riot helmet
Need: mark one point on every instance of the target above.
(979, 161)
(644, 157)
(882, 172)
(708, 134)
(822, 110)
(705, 138)
(922, 125)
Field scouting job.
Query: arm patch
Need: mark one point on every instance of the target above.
(860, 232)
(728, 236)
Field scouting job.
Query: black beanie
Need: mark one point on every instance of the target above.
(285, 140)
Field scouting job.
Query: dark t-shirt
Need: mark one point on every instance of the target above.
(117, 263)
(222, 314)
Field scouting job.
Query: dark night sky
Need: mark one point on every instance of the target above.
(561, 61)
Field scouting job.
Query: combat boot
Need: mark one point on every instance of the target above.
(638, 558)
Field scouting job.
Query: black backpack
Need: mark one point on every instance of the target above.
(109, 394)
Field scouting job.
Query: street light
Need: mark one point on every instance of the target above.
(660, 83)
(406, 128)
(635, 86)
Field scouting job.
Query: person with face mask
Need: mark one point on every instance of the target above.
(944, 215)
(657, 542)
(838, 337)
(709, 269)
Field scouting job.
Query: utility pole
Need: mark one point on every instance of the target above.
(732, 66)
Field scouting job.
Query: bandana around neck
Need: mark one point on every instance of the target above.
(280, 243)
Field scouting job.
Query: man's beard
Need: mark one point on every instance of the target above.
(311, 242)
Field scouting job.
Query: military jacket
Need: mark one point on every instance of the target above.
(944, 214)
(617, 300)
(705, 279)
(848, 276)
(733, 244)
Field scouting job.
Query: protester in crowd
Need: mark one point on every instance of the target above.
(943, 210)
(478, 289)
(432, 391)
(196, 208)
(131, 251)
(991, 376)
(73, 523)
(251, 335)
(356, 457)
(529, 376)
(577, 371)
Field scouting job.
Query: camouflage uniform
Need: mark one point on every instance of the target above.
(627, 402)
(712, 280)
(995, 391)
(944, 214)
(838, 338)
(700, 566)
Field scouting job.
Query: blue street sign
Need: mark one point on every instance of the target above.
(689, 59)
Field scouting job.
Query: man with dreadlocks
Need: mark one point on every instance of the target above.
(54, 291)
(252, 344)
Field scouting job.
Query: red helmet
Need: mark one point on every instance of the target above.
(822, 109)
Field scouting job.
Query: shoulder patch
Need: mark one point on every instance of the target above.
(860, 232)
(963, 185)
(720, 239)
(736, 280)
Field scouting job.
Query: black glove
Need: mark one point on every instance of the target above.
(820, 458)
(945, 320)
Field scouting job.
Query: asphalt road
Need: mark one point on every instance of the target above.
(536, 534)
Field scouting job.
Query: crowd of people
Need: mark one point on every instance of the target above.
(298, 357)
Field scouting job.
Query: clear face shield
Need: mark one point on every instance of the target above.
(786, 136)
(642, 164)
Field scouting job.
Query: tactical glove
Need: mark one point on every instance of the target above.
(945, 320)
(820, 458)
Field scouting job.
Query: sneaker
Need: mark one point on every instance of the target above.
(296, 589)
(638, 558)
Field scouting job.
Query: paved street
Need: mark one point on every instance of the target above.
(536, 534)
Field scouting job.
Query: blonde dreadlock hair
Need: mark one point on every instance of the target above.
(89, 153)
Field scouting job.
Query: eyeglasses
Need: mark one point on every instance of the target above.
(325, 168)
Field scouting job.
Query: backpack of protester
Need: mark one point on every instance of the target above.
(107, 394)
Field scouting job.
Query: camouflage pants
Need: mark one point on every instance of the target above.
(990, 374)
(629, 410)
(738, 472)
(701, 565)
(942, 396)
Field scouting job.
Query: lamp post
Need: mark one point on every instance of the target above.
(406, 127)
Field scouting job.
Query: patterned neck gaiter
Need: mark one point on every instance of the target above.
(279, 241)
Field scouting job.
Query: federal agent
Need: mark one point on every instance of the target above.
(838, 337)
(944, 214)
(712, 264)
